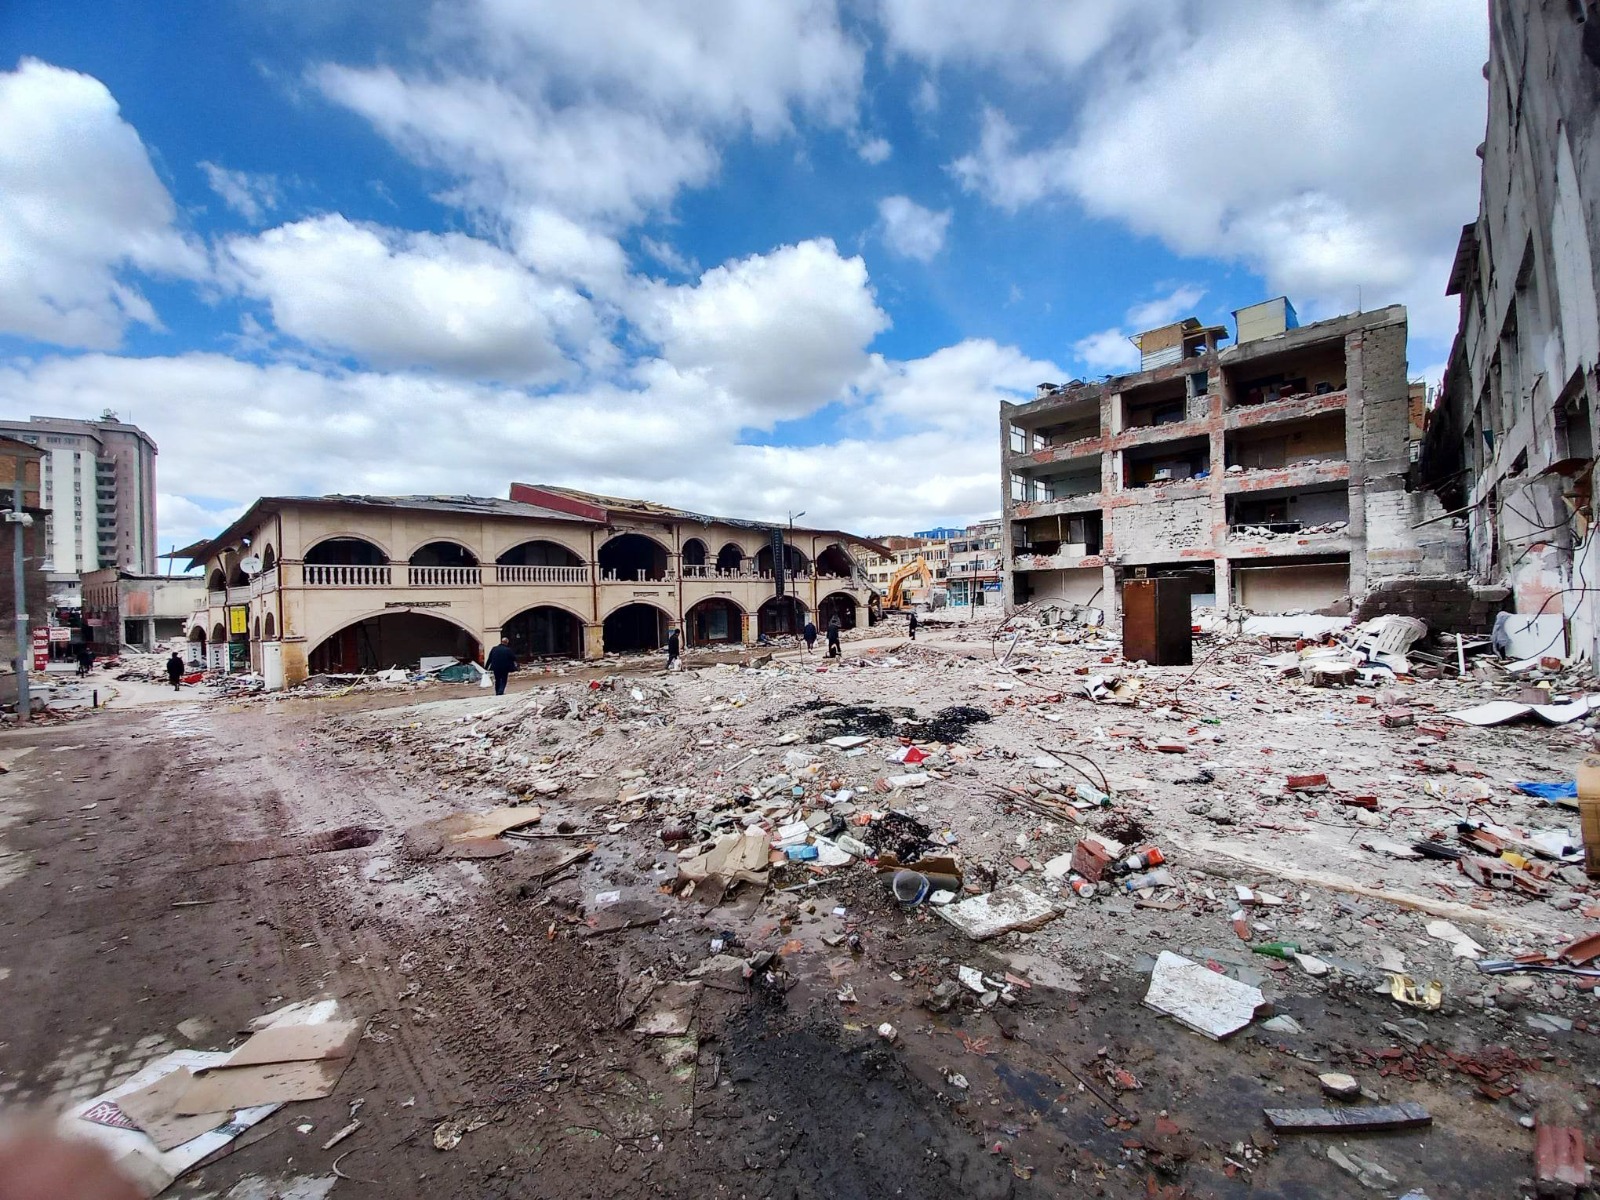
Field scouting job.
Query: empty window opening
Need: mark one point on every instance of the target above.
(631, 557)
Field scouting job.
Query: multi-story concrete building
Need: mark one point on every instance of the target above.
(975, 558)
(125, 608)
(301, 585)
(98, 483)
(1270, 475)
(1511, 443)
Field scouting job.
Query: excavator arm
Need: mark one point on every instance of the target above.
(894, 600)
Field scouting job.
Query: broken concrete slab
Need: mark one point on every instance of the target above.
(1207, 1002)
(1005, 910)
(1405, 1115)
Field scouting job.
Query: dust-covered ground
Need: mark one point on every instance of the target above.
(510, 993)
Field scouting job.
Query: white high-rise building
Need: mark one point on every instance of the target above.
(98, 482)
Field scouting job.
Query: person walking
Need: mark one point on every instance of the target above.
(672, 648)
(833, 638)
(810, 634)
(500, 663)
(175, 671)
(85, 659)
(913, 624)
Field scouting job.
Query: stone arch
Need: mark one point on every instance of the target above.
(217, 580)
(442, 552)
(835, 563)
(781, 616)
(842, 604)
(545, 631)
(346, 549)
(633, 557)
(638, 625)
(258, 629)
(391, 637)
(714, 620)
(694, 553)
(269, 558)
(270, 628)
(795, 560)
(219, 633)
(197, 633)
(539, 552)
(731, 557)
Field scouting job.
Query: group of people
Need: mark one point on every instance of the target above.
(810, 635)
(501, 660)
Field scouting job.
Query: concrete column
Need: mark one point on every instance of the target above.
(593, 641)
(1110, 594)
(744, 628)
(1222, 569)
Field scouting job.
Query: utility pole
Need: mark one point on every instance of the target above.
(788, 551)
(19, 521)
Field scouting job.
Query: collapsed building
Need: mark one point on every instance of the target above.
(303, 585)
(1510, 446)
(1271, 475)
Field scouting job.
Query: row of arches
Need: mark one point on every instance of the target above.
(544, 631)
(627, 557)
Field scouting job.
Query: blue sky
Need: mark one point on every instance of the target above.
(743, 257)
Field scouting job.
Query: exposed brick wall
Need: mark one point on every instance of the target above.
(33, 546)
(1451, 604)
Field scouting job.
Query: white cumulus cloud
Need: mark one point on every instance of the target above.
(911, 230)
(251, 195)
(82, 211)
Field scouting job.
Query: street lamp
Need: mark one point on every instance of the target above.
(788, 550)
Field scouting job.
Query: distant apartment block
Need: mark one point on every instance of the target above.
(98, 485)
(1271, 475)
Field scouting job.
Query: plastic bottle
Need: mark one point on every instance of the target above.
(1160, 877)
(1150, 856)
(1284, 950)
(1093, 795)
(1080, 886)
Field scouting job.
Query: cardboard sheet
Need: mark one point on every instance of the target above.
(151, 1109)
(298, 1043)
(100, 1120)
(269, 1083)
(734, 856)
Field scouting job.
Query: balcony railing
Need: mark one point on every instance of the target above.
(453, 577)
(341, 575)
(265, 582)
(541, 574)
(217, 599)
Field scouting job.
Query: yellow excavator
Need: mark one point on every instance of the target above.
(895, 599)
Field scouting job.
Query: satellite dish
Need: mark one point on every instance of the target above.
(251, 565)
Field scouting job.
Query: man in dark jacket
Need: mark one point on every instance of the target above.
(913, 624)
(672, 648)
(833, 638)
(175, 671)
(500, 663)
(810, 634)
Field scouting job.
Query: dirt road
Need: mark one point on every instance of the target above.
(501, 1001)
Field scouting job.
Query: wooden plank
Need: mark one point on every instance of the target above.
(1406, 1115)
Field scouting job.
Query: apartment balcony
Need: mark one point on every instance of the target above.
(1299, 475)
(265, 582)
(1069, 557)
(444, 577)
(1021, 510)
(239, 595)
(217, 599)
(1281, 539)
(343, 575)
(1290, 408)
(1085, 447)
(541, 574)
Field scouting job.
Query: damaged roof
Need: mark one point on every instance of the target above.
(649, 510)
(480, 506)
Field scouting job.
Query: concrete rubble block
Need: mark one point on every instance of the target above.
(1006, 910)
(1207, 1002)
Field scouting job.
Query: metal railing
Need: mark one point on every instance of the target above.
(343, 575)
(445, 576)
(540, 574)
